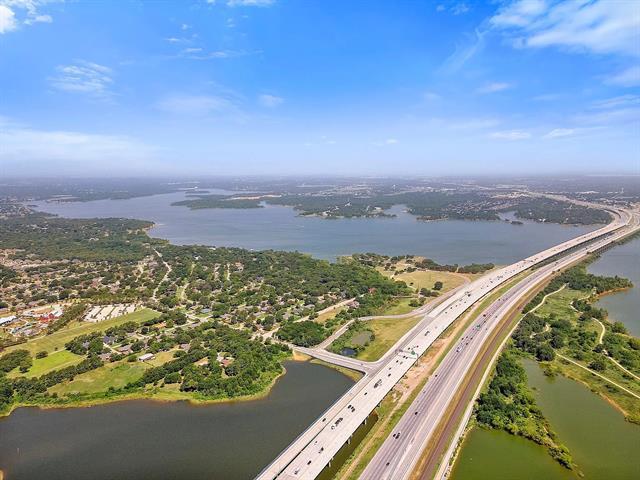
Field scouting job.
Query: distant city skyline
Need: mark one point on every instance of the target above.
(251, 87)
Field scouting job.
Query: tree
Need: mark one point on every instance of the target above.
(438, 285)
(619, 327)
(173, 377)
(545, 353)
(598, 364)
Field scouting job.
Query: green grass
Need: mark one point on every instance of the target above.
(387, 332)
(56, 341)
(560, 304)
(398, 307)
(56, 360)
(114, 375)
(426, 278)
(323, 317)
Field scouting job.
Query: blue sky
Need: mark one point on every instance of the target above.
(319, 87)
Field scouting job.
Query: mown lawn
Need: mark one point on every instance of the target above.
(55, 360)
(114, 375)
(56, 341)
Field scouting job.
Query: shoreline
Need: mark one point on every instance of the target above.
(159, 397)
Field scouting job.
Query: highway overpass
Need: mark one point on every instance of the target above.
(308, 455)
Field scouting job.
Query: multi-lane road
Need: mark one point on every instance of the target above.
(307, 456)
(400, 453)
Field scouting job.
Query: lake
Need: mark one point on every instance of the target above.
(624, 261)
(602, 443)
(281, 228)
(140, 439)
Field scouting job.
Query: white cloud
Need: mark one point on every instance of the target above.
(16, 12)
(593, 26)
(270, 101)
(519, 13)
(431, 96)
(610, 116)
(626, 78)
(197, 53)
(388, 141)
(561, 132)
(84, 77)
(464, 52)
(547, 97)
(510, 135)
(7, 19)
(494, 87)
(440, 8)
(460, 9)
(197, 105)
(617, 102)
(56, 149)
(43, 19)
(250, 3)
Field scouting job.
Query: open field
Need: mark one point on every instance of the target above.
(114, 375)
(426, 278)
(387, 332)
(56, 341)
(399, 306)
(560, 304)
(328, 315)
(55, 360)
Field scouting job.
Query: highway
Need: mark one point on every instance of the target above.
(400, 453)
(307, 456)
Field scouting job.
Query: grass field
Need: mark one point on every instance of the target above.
(99, 380)
(387, 331)
(323, 317)
(399, 306)
(114, 375)
(560, 304)
(56, 341)
(426, 278)
(56, 360)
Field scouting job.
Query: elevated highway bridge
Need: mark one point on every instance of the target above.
(314, 449)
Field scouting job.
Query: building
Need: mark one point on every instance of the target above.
(146, 357)
(6, 320)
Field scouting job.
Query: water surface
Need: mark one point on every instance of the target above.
(497, 455)
(602, 443)
(138, 440)
(624, 261)
(281, 228)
